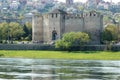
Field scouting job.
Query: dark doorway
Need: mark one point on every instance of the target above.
(54, 35)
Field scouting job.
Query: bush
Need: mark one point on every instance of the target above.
(72, 39)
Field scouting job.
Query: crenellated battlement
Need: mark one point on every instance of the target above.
(92, 14)
(62, 22)
(73, 16)
(55, 14)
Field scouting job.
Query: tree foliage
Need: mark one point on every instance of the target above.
(72, 39)
(14, 31)
(4, 31)
(28, 31)
(110, 33)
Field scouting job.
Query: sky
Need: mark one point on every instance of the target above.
(115, 1)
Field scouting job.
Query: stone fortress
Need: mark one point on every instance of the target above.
(50, 27)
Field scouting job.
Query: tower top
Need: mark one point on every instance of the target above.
(58, 11)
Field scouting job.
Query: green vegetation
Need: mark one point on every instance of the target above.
(72, 39)
(109, 34)
(84, 55)
(13, 31)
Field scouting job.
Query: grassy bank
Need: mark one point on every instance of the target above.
(88, 55)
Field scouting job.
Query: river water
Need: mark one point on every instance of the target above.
(48, 69)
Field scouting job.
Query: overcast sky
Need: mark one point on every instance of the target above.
(115, 1)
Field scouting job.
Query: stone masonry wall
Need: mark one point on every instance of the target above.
(74, 24)
(37, 28)
(44, 25)
(93, 26)
(46, 29)
(56, 23)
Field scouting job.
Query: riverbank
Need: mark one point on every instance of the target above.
(82, 55)
(52, 47)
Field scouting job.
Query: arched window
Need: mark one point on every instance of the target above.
(54, 35)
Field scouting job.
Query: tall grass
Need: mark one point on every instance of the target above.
(84, 55)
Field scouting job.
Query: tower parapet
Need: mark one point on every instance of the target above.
(72, 16)
(92, 14)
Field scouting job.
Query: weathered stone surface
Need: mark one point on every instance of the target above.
(61, 22)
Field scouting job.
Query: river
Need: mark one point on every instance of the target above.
(49, 69)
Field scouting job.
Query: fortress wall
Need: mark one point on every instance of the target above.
(62, 25)
(46, 27)
(74, 24)
(54, 24)
(37, 26)
(93, 26)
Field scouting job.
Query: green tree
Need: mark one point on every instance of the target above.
(109, 34)
(4, 31)
(106, 19)
(72, 39)
(15, 31)
(28, 31)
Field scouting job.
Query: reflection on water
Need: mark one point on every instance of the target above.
(46, 69)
